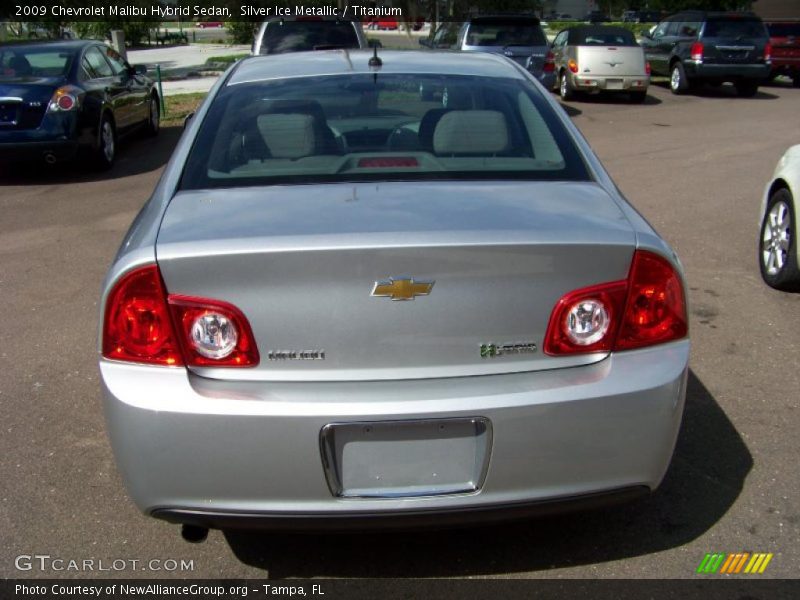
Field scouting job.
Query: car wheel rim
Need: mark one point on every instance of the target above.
(108, 141)
(675, 79)
(155, 115)
(776, 238)
(563, 86)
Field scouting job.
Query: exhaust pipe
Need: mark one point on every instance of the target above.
(194, 533)
(50, 158)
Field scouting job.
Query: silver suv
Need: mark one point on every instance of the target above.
(519, 37)
(289, 34)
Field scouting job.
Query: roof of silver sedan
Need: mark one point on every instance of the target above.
(343, 62)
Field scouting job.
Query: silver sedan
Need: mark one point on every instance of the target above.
(346, 304)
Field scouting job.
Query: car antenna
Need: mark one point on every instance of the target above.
(375, 61)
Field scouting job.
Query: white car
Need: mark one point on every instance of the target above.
(778, 255)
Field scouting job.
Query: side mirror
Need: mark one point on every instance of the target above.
(187, 119)
(139, 69)
(374, 44)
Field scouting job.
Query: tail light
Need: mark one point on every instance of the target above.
(549, 63)
(696, 51)
(768, 53)
(137, 325)
(647, 68)
(586, 320)
(213, 333)
(655, 311)
(65, 99)
(573, 66)
(143, 324)
(648, 308)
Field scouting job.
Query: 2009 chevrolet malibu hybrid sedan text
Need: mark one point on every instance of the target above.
(346, 305)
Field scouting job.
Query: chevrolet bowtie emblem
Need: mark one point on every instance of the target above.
(402, 289)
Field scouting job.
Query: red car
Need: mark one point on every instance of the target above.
(387, 23)
(210, 24)
(784, 37)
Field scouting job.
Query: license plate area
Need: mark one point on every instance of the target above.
(396, 459)
(613, 84)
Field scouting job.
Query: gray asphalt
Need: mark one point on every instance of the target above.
(695, 166)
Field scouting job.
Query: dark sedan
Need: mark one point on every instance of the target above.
(62, 98)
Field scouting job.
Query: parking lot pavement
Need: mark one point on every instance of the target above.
(179, 60)
(695, 166)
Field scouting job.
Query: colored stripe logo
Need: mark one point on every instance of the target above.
(732, 564)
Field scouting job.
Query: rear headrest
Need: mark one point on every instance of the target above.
(287, 135)
(471, 132)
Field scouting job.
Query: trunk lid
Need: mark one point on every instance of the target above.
(23, 102)
(611, 61)
(301, 262)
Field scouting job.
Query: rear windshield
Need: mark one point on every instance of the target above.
(606, 38)
(784, 29)
(30, 63)
(734, 28)
(369, 127)
(505, 32)
(300, 36)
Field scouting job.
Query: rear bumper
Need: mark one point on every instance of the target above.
(786, 66)
(58, 134)
(604, 83)
(408, 519)
(726, 72)
(226, 454)
(37, 150)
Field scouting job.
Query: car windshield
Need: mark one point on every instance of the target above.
(299, 36)
(784, 29)
(505, 32)
(734, 28)
(17, 63)
(369, 127)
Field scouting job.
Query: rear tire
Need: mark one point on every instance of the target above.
(746, 89)
(153, 124)
(796, 79)
(106, 151)
(777, 252)
(678, 83)
(564, 88)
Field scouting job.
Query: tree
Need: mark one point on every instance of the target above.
(677, 5)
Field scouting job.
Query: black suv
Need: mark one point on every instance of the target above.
(713, 47)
